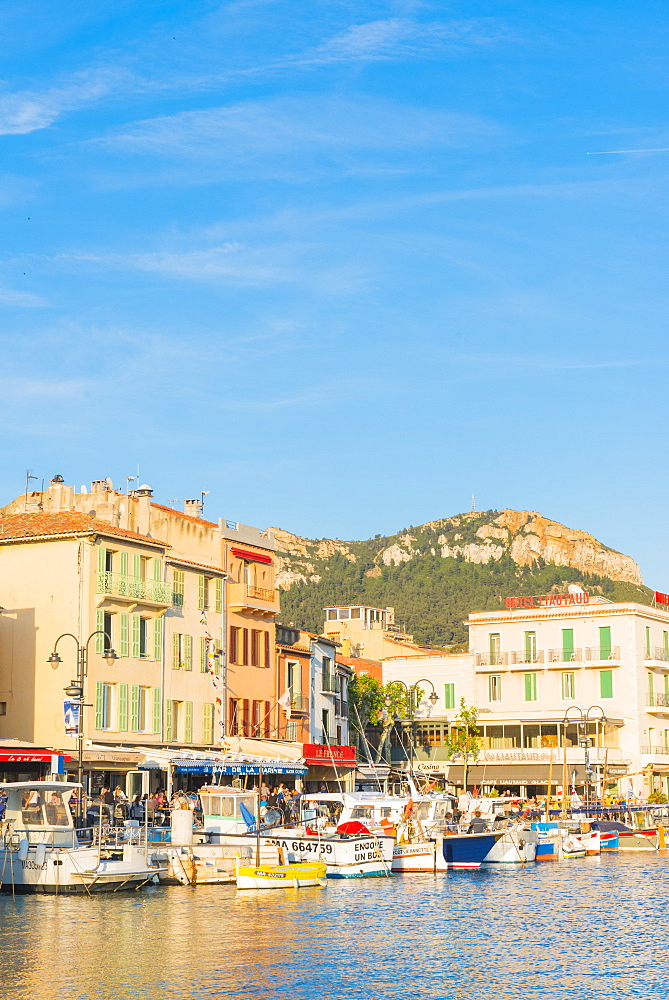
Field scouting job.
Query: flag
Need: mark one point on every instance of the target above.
(286, 702)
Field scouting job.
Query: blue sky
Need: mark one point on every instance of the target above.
(341, 264)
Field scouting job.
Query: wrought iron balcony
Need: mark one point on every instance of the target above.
(656, 751)
(657, 700)
(492, 659)
(299, 702)
(657, 653)
(565, 655)
(134, 588)
(602, 654)
(527, 656)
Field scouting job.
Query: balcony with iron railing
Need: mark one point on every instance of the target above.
(657, 654)
(492, 659)
(525, 657)
(657, 701)
(562, 656)
(341, 708)
(328, 682)
(299, 702)
(247, 596)
(602, 654)
(133, 588)
(656, 751)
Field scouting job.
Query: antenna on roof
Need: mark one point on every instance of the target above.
(473, 504)
(29, 476)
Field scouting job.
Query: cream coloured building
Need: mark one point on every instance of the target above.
(549, 678)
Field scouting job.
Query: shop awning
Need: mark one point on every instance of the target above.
(260, 557)
(39, 756)
(329, 756)
(243, 767)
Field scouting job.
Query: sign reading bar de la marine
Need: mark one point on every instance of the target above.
(548, 600)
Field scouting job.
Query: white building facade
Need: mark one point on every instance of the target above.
(556, 679)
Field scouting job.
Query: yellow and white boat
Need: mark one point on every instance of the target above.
(293, 876)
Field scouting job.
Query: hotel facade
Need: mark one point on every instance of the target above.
(576, 688)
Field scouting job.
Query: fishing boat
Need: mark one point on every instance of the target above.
(555, 843)
(348, 851)
(41, 852)
(293, 876)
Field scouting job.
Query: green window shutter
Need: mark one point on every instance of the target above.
(650, 688)
(157, 638)
(567, 644)
(136, 566)
(122, 708)
(99, 625)
(168, 722)
(530, 687)
(606, 684)
(188, 723)
(124, 644)
(124, 563)
(157, 570)
(102, 559)
(219, 595)
(666, 689)
(176, 660)
(134, 708)
(188, 652)
(135, 636)
(156, 710)
(665, 643)
(648, 641)
(200, 593)
(203, 655)
(605, 644)
(207, 723)
(449, 695)
(98, 704)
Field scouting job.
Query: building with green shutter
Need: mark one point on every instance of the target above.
(529, 668)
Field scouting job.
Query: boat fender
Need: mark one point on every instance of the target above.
(23, 849)
(521, 842)
(40, 854)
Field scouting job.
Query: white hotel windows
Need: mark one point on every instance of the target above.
(495, 687)
(568, 686)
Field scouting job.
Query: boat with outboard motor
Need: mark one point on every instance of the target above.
(42, 852)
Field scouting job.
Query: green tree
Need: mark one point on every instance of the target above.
(463, 737)
(399, 702)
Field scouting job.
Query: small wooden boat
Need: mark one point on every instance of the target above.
(296, 876)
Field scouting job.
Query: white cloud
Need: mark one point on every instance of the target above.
(28, 110)
(13, 297)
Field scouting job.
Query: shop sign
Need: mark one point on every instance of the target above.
(548, 600)
(661, 598)
(318, 753)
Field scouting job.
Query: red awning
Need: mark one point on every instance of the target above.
(317, 753)
(260, 557)
(38, 756)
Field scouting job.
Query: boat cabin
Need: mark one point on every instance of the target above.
(222, 808)
(41, 811)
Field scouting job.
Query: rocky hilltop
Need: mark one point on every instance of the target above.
(445, 568)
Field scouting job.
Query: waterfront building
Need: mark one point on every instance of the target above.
(293, 665)
(364, 631)
(551, 679)
(174, 592)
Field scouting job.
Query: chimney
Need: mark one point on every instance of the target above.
(143, 496)
(193, 507)
(59, 495)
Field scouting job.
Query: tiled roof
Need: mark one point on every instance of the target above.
(19, 527)
(185, 517)
(189, 562)
(356, 661)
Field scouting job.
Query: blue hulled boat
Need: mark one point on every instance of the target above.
(468, 850)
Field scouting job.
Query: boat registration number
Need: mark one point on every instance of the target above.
(304, 846)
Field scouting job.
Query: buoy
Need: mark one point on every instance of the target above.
(40, 854)
(23, 849)
(661, 843)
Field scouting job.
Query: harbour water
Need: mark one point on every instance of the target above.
(585, 929)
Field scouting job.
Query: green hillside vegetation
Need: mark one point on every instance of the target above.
(432, 595)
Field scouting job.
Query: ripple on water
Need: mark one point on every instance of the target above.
(585, 929)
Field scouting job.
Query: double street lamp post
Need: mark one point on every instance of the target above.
(76, 691)
(584, 741)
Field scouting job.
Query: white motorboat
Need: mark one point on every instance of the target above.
(40, 850)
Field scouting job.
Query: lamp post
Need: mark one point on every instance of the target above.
(584, 741)
(75, 690)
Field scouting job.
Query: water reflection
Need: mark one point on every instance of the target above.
(585, 929)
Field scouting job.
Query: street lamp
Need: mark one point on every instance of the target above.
(585, 742)
(75, 690)
(411, 694)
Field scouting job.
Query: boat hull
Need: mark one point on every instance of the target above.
(280, 876)
(419, 856)
(468, 850)
(515, 847)
(70, 872)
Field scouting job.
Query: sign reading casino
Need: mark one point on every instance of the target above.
(548, 600)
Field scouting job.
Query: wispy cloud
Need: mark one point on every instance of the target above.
(28, 110)
(394, 38)
(13, 297)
